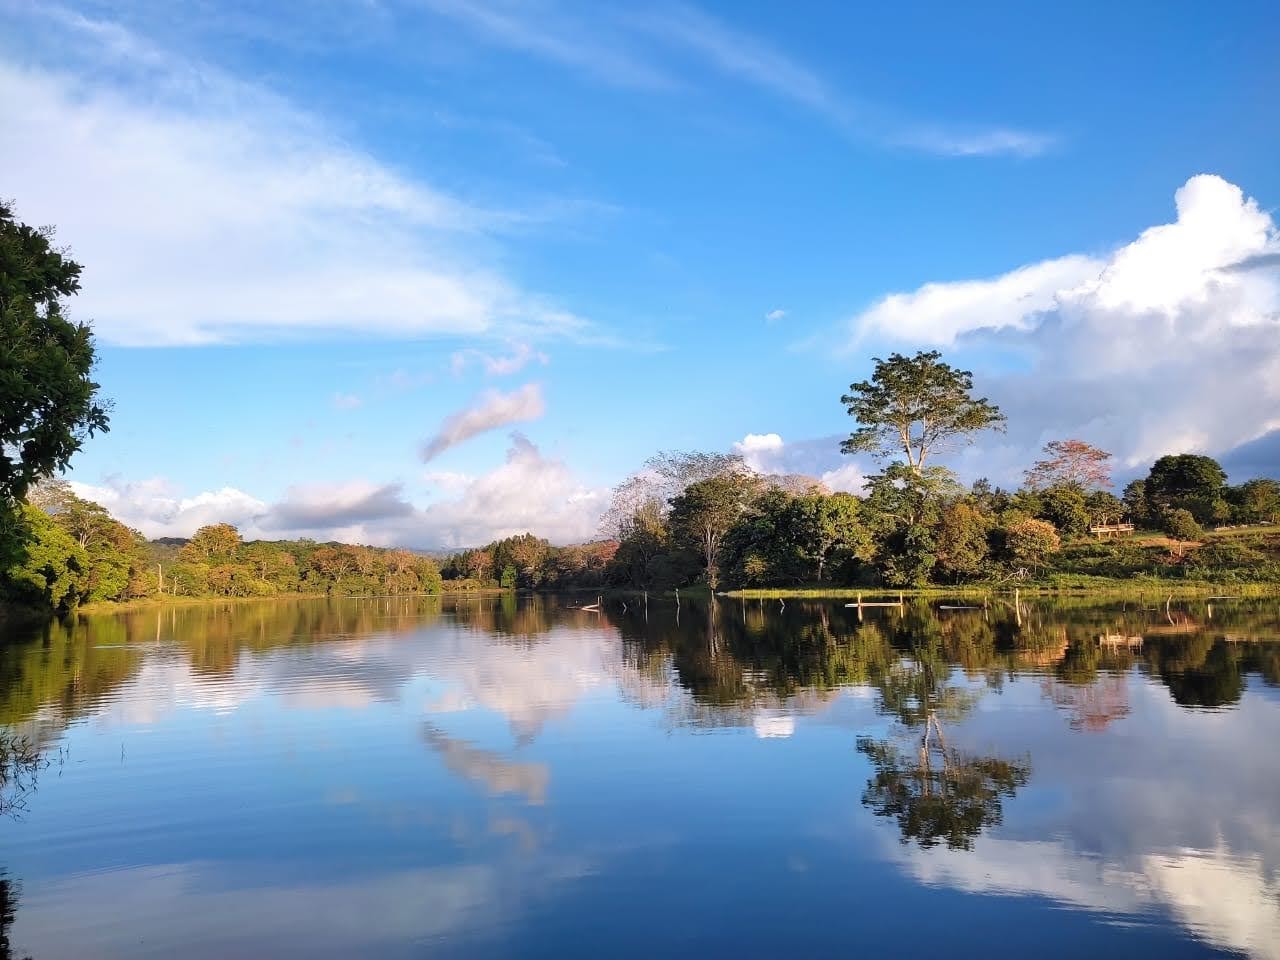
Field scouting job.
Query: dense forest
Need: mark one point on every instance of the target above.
(76, 552)
(690, 519)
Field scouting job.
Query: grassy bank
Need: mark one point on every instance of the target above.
(151, 603)
(1066, 586)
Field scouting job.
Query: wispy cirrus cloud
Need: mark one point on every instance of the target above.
(208, 209)
(494, 409)
(498, 365)
(551, 34)
(347, 401)
(641, 48)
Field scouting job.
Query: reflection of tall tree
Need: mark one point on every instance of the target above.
(935, 792)
(938, 795)
(9, 891)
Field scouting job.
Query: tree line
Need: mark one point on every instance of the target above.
(683, 519)
(76, 552)
(688, 518)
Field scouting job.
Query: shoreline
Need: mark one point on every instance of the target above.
(1104, 589)
(151, 603)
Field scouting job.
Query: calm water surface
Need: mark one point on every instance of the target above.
(502, 778)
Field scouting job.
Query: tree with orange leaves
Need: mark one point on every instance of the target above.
(1071, 463)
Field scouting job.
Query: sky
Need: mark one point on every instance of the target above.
(430, 272)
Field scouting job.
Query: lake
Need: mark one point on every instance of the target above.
(503, 777)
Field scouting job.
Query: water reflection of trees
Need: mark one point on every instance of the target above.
(729, 656)
(9, 891)
(20, 766)
(64, 670)
(928, 669)
(937, 793)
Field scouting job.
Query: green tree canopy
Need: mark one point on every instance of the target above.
(706, 510)
(1257, 501)
(916, 406)
(1031, 542)
(48, 403)
(50, 568)
(1187, 481)
(216, 542)
(1181, 525)
(963, 540)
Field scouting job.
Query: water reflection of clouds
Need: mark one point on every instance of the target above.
(529, 682)
(1137, 807)
(1227, 900)
(1168, 810)
(203, 910)
(495, 773)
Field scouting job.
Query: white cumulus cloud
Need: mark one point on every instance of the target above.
(1169, 344)
(154, 507)
(527, 492)
(820, 458)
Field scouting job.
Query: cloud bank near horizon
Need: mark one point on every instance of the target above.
(527, 492)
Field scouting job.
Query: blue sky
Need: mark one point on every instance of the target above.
(319, 237)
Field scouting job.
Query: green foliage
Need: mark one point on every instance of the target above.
(705, 512)
(1065, 507)
(1186, 481)
(1030, 543)
(51, 568)
(1135, 502)
(916, 406)
(508, 580)
(827, 530)
(963, 541)
(217, 543)
(788, 539)
(48, 404)
(1104, 507)
(1256, 501)
(1181, 524)
(902, 497)
(907, 556)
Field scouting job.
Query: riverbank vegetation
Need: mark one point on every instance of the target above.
(699, 519)
(684, 520)
(75, 552)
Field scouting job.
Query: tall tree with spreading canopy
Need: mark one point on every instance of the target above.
(48, 402)
(916, 406)
(1071, 463)
(705, 512)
